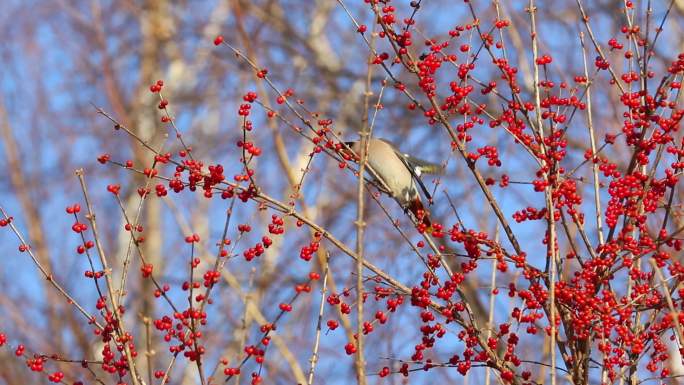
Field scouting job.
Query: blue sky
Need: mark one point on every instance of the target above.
(66, 134)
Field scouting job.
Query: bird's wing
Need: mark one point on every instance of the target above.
(415, 173)
(418, 166)
(422, 166)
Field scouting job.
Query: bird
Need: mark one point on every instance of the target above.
(400, 173)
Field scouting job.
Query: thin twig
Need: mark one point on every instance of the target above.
(319, 325)
(49, 277)
(547, 192)
(592, 138)
(116, 311)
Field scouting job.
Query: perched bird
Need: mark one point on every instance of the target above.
(400, 172)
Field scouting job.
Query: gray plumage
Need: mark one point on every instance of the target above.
(399, 171)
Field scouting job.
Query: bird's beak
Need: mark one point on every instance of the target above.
(347, 152)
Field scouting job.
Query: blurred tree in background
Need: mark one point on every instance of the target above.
(67, 65)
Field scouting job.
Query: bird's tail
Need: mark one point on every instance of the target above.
(419, 211)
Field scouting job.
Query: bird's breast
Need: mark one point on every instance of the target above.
(398, 179)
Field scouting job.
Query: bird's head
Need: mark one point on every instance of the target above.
(349, 150)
